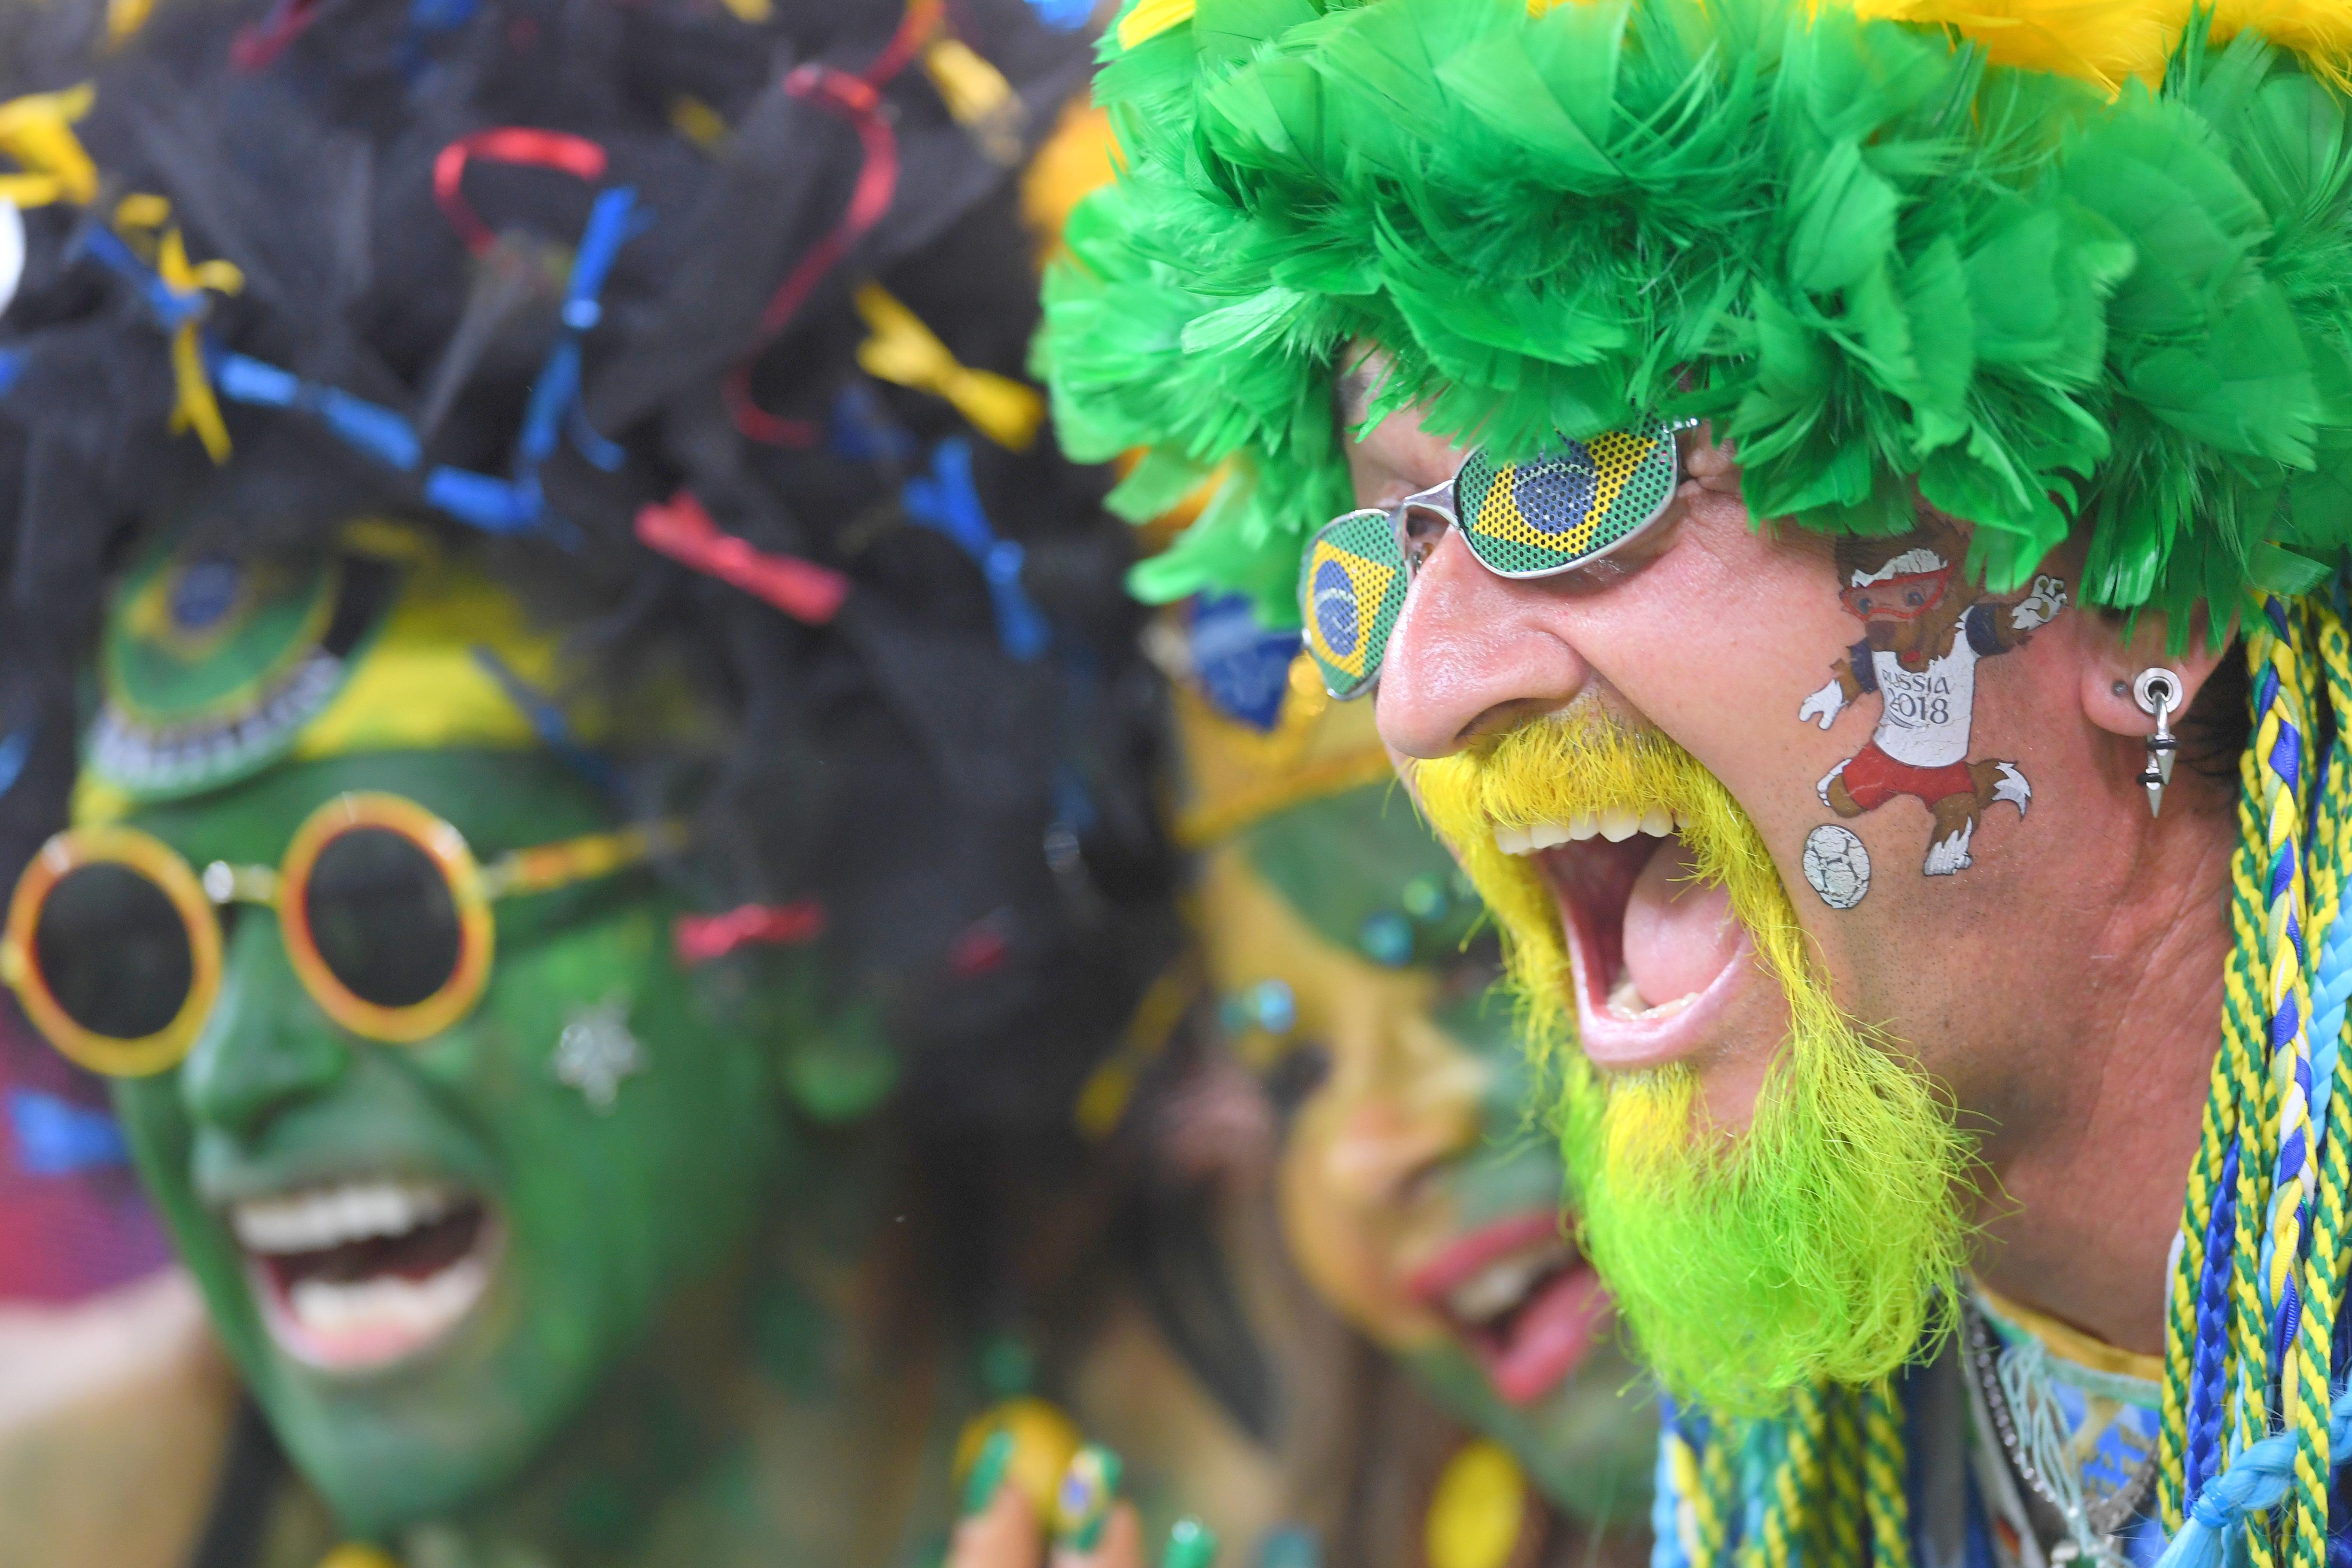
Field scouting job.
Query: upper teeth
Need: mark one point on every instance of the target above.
(1503, 1285)
(329, 1216)
(1616, 824)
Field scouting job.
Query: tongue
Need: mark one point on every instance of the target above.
(1678, 935)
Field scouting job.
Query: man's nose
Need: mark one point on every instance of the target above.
(1472, 654)
(267, 1046)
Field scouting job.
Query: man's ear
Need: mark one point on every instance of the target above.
(2124, 649)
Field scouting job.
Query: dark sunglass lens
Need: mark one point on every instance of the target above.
(114, 952)
(382, 917)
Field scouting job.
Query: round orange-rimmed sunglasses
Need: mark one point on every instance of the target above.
(113, 943)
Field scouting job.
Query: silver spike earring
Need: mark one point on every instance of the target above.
(2157, 691)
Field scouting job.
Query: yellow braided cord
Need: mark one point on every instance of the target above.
(2242, 1050)
(1843, 1464)
(1718, 1474)
(1795, 1488)
(2323, 1273)
(2280, 739)
(1887, 1470)
(1691, 1501)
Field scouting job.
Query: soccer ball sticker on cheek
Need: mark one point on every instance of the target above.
(1924, 637)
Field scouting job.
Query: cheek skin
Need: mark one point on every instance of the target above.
(1717, 644)
(1344, 1250)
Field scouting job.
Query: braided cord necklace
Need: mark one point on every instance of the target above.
(2266, 1226)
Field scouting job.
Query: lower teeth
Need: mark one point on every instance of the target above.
(394, 1302)
(1626, 1002)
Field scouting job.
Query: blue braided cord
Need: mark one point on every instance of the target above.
(2212, 1339)
(2331, 990)
(947, 499)
(2255, 1482)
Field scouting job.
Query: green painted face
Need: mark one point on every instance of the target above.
(427, 1257)
(1418, 1197)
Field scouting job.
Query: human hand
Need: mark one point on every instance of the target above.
(1089, 1526)
(1823, 706)
(2040, 606)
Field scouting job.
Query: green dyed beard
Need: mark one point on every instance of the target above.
(1816, 1245)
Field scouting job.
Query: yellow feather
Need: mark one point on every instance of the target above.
(2110, 42)
(2104, 41)
(2320, 31)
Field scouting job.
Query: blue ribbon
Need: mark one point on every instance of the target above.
(369, 428)
(949, 501)
(494, 505)
(16, 750)
(168, 305)
(58, 1138)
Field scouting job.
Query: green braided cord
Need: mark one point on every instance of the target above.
(1880, 265)
(1718, 1474)
(1792, 1500)
(1845, 1505)
(2283, 728)
(2322, 1270)
(2243, 1050)
(1886, 1473)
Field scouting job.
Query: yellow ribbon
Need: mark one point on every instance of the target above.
(906, 354)
(976, 95)
(194, 407)
(36, 131)
(124, 19)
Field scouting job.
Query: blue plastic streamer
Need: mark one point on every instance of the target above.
(1064, 15)
(55, 1137)
(513, 505)
(949, 501)
(16, 750)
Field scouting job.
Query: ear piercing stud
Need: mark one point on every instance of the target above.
(2157, 691)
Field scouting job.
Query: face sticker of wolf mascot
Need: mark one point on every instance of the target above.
(1924, 631)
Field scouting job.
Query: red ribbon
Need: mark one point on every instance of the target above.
(705, 939)
(255, 46)
(858, 100)
(682, 530)
(573, 155)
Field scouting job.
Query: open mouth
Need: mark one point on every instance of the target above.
(360, 1274)
(1654, 953)
(1528, 1304)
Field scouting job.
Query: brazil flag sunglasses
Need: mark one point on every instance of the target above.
(1565, 508)
(114, 941)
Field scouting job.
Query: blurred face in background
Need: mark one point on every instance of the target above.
(1416, 1194)
(426, 1257)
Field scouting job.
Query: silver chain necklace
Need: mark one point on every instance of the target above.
(2090, 1524)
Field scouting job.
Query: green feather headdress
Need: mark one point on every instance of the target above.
(2053, 266)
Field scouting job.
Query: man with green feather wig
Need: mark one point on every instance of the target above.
(1840, 509)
